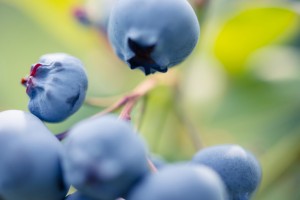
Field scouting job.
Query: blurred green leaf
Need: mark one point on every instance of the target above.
(249, 30)
(286, 187)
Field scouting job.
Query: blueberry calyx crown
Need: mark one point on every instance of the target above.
(142, 58)
(33, 71)
(27, 81)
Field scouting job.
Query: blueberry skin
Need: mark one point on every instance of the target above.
(153, 35)
(20, 122)
(239, 169)
(104, 157)
(30, 159)
(181, 182)
(56, 86)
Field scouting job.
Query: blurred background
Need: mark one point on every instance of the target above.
(241, 84)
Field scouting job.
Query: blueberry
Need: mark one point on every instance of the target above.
(104, 157)
(238, 168)
(56, 86)
(153, 35)
(30, 159)
(180, 182)
(17, 121)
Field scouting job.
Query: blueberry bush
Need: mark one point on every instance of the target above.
(149, 99)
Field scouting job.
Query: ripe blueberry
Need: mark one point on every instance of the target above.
(104, 157)
(238, 168)
(30, 159)
(180, 182)
(56, 86)
(153, 35)
(17, 121)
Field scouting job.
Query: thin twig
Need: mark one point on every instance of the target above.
(116, 105)
(126, 112)
(101, 101)
(152, 166)
(130, 100)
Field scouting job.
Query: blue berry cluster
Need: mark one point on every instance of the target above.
(158, 35)
(103, 157)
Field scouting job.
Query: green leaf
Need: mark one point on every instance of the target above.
(249, 30)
